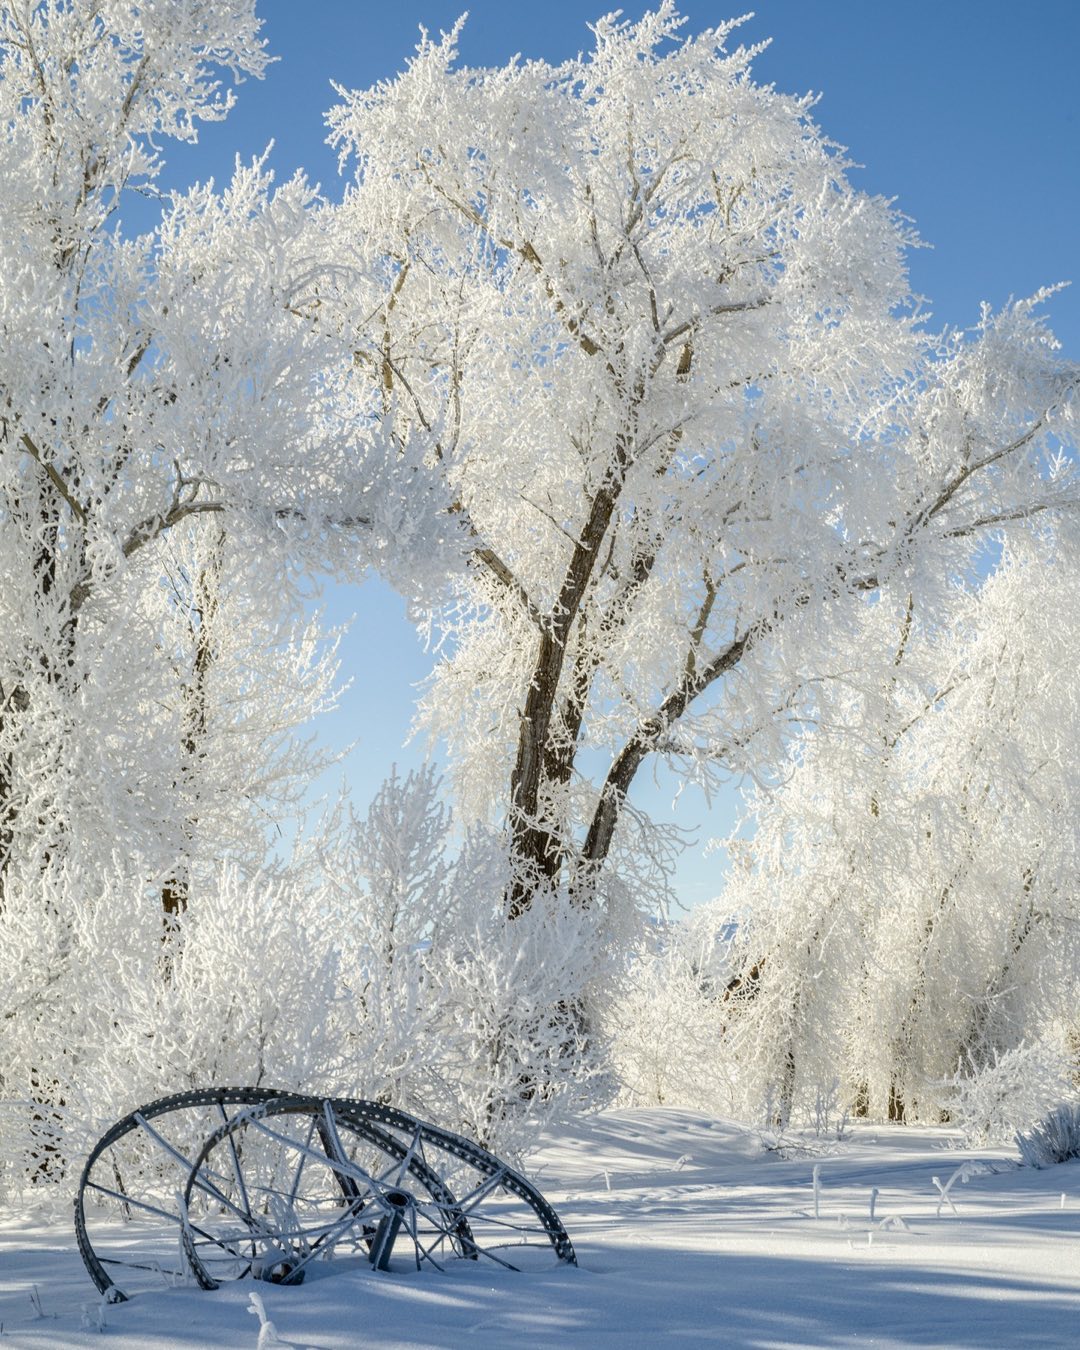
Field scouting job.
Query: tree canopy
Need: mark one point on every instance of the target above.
(666, 359)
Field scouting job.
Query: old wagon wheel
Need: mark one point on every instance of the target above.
(298, 1180)
(510, 1222)
(127, 1211)
(291, 1182)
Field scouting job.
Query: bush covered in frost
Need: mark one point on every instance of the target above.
(1054, 1139)
(378, 964)
(1010, 1092)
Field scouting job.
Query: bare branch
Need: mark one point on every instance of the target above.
(952, 487)
(153, 526)
(530, 255)
(54, 478)
(691, 326)
(485, 555)
(1017, 513)
(650, 732)
(697, 633)
(498, 569)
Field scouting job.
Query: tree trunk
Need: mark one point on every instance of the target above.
(195, 703)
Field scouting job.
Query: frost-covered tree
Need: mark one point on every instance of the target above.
(149, 382)
(376, 962)
(908, 902)
(242, 685)
(666, 358)
(612, 371)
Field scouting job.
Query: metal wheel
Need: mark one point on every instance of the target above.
(510, 1223)
(289, 1184)
(127, 1211)
(298, 1181)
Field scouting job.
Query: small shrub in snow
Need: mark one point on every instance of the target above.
(1054, 1139)
(1010, 1092)
(667, 1028)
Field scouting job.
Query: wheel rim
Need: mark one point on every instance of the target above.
(127, 1210)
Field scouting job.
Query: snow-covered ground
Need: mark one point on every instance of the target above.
(687, 1233)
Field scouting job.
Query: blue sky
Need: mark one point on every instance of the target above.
(964, 111)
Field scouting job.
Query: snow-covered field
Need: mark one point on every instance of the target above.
(687, 1233)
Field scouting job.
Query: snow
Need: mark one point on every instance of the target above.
(688, 1232)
